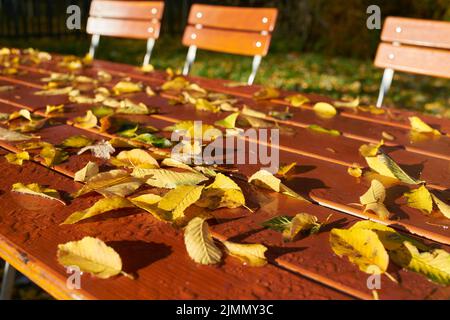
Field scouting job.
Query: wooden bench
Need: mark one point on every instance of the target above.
(125, 19)
(413, 46)
(243, 31)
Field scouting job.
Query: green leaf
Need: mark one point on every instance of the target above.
(101, 206)
(279, 223)
(199, 243)
(435, 265)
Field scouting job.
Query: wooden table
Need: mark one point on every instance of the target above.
(304, 269)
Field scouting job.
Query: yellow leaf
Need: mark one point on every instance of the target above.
(435, 265)
(319, 129)
(250, 254)
(147, 68)
(54, 92)
(362, 247)
(8, 135)
(54, 109)
(373, 199)
(223, 192)
(265, 179)
(419, 126)
(87, 172)
(135, 158)
(178, 83)
(354, 171)
(324, 110)
(199, 243)
(162, 178)
(297, 100)
(53, 156)
(442, 206)
(127, 106)
(174, 163)
(252, 113)
(284, 189)
(78, 141)
(301, 222)
(101, 206)
(179, 199)
(90, 255)
(126, 87)
(17, 158)
(347, 104)
(37, 190)
(387, 136)
(149, 203)
(266, 94)
(386, 166)
(86, 122)
(205, 105)
(420, 198)
(370, 150)
(111, 183)
(229, 122)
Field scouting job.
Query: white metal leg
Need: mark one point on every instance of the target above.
(148, 54)
(94, 44)
(255, 66)
(190, 58)
(388, 75)
(9, 276)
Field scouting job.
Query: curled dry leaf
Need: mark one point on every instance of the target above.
(370, 150)
(37, 190)
(87, 172)
(101, 206)
(442, 206)
(265, 179)
(419, 126)
(49, 109)
(199, 243)
(354, 171)
(373, 199)
(222, 193)
(8, 135)
(86, 122)
(229, 122)
(126, 87)
(250, 254)
(53, 156)
(102, 150)
(347, 104)
(90, 255)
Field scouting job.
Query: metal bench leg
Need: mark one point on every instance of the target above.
(255, 66)
(190, 58)
(148, 54)
(94, 44)
(9, 276)
(385, 85)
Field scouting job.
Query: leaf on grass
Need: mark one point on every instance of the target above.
(442, 206)
(222, 193)
(53, 156)
(373, 199)
(54, 109)
(111, 183)
(86, 122)
(8, 135)
(162, 178)
(17, 158)
(324, 110)
(419, 126)
(297, 100)
(90, 255)
(319, 129)
(229, 122)
(266, 180)
(420, 198)
(362, 247)
(78, 141)
(37, 190)
(135, 158)
(101, 206)
(102, 150)
(87, 172)
(250, 254)
(126, 87)
(266, 93)
(179, 199)
(435, 264)
(199, 243)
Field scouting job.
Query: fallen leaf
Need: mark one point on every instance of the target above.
(77, 141)
(86, 122)
(265, 179)
(179, 199)
(17, 158)
(297, 100)
(250, 254)
(37, 190)
(420, 198)
(53, 156)
(387, 136)
(324, 110)
(252, 113)
(347, 104)
(135, 158)
(223, 192)
(418, 125)
(442, 206)
(102, 150)
(373, 199)
(370, 150)
(53, 92)
(284, 170)
(90, 255)
(101, 206)
(147, 68)
(54, 109)
(149, 203)
(354, 171)
(8, 135)
(199, 243)
(127, 106)
(266, 93)
(319, 129)
(87, 172)
(162, 178)
(126, 87)
(229, 122)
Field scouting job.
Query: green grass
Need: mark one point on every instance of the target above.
(337, 77)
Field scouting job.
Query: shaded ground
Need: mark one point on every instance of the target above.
(308, 72)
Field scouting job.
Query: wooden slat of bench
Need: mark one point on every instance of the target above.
(153, 250)
(236, 18)
(139, 10)
(426, 61)
(124, 28)
(417, 32)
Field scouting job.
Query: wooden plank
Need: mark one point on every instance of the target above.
(124, 28)
(417, 32)
(236, 18)
(139, 10)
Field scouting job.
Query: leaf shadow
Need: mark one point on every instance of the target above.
(304, 186)
(392, 194)
(138, 254)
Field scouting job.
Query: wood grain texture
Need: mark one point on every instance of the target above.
(135, 29)
(417, 32)
(139, 10)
